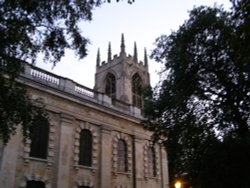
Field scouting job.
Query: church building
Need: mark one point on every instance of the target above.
(93, 138)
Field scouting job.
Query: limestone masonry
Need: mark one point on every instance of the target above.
(93, 138)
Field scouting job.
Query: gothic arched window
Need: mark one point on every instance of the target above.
(35, 184)
(151, 162)
(85, 148)
(110, 85)
(122, 158)
(137, 90)
(39, 138)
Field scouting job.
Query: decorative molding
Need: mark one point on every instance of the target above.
(145, 160)
(121, 186)
(32, 175)
(84, 181)
(129, 153)
(106, 128)
(95, 139)
(67, 118)
(50, 149)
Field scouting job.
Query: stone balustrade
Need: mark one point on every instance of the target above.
(66, 85)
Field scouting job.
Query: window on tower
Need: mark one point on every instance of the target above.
(110, 87)
(137, 90)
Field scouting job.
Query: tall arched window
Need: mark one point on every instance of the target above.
(122, 158)
(35, 184)
(137, 90)
(110, 85)
(85, 150)
(151, 162)
(39, 138)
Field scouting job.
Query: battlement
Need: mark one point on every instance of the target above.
(118, 59)
(121, 58)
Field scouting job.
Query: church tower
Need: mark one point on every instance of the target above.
(122, 77)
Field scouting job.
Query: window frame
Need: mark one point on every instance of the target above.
(151, 156)
(110, 85)
(122, 156)
(137, 94)
(39, 138)
(85, 148)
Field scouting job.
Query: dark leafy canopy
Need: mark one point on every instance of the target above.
(28, 28)
(204, 98)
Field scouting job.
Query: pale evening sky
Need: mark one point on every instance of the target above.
(142, 22)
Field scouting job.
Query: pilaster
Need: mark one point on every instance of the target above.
(65, 151)
(106, 159)
(164, 168)
(139, 162)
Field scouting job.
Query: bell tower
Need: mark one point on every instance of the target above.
(122, 77)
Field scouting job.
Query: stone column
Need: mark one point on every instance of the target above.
(106, 157)
(164, 168)
(65, 151)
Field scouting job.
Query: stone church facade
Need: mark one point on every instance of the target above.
(93, 138)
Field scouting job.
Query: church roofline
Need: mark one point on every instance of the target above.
(67, 86)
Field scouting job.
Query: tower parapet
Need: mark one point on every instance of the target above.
(116, 76)
(117, 58)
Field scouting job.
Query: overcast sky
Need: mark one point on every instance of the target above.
(142, 22)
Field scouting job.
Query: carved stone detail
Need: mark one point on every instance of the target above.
(95, 140)
(129, 150)
(145, 159)
(50, 149)
(32, 175)
(84, 181)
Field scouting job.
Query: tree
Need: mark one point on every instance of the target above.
(204, 97)
(225, 165)
(29, 28)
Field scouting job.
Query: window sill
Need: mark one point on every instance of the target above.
(28, 159)
(128, 174)
(156, 178)
(93, 169)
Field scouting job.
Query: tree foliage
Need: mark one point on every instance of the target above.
(29, 28)
(204, 98)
